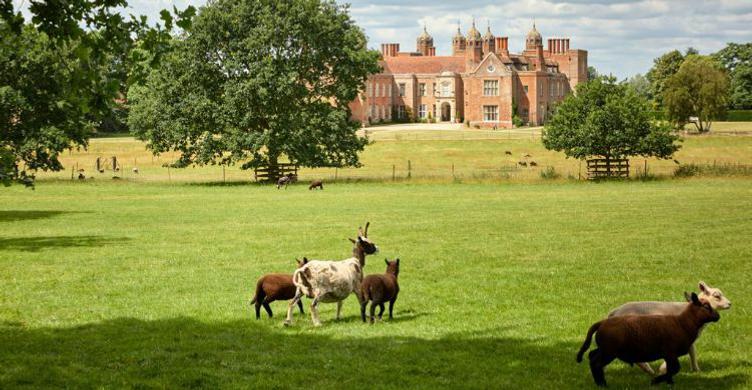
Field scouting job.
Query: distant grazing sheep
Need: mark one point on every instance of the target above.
(635, 339)
(275, 287)
(522, 163)
(508, 153)
(81, 176)
(380, 288)
(526, 155)
(135, 170)
(533, 164)
(315, 184)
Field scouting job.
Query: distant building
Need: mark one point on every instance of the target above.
(479, 83)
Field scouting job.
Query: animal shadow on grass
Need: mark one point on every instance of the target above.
(23, 215)
(184, 352)
(35, 244)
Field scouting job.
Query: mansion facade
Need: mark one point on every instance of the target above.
(480, 83)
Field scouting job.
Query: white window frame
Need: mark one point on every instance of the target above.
(490, 87)
(422, 89)
(402, 89)
(490, 113)
(422, 111)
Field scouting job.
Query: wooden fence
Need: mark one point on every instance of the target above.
(267, 173)
(604, 168)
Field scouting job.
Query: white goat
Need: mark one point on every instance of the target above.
(332, 281)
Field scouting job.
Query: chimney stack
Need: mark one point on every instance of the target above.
(389, 49)
(566, 44)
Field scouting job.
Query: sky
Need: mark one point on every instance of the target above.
(622, 37)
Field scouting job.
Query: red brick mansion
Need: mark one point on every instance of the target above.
(479, 83)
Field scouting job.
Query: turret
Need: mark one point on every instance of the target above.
(489, 41)
(458, 42)
(474, 48)
(425, 44)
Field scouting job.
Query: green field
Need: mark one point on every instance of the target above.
(435, 156)
(128, 284)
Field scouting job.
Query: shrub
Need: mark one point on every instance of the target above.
(738, 116)
(549, 173)
(689, 170)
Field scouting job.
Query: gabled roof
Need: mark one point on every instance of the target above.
(420, 64)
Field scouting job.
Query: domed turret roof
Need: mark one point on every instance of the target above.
(488, 35)
(458, 34)
(534, 34)
(473, 34)
(425, 36)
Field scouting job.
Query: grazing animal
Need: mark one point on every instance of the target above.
(286, 180)
(708, 294)
(101, 170)
(275, 287)
(635, 339)
(379, 289)
(81, 176)
(522, 163)
(533, 164)
(135, 170)
(508, 153)
(316, 183)
(332, 281)
(526, 155)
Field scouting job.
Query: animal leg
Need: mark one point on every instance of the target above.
(293, 302)
(597, 363)
(693, 358)
(339, 310)
(363, 310)
(257, 305)
(391, 308)
(315, 312)
(672, 365)
(381, 310)
(300, 306)
(646, 367)
(268, 309)
(373, 310)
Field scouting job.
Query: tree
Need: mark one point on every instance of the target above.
(737, 59)
(640, 85)
(609, 120)
(663, 67)
(257, 81)
(60, 76)
(699, 89)
(592, 73)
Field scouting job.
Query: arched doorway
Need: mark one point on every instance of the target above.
(446, 112)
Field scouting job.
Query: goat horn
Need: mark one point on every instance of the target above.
(367, 224)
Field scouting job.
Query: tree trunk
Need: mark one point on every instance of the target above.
(273, 167)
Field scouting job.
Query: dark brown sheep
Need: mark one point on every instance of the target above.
(275, 287)
(379, 289)
(315, 184)
(635, 339)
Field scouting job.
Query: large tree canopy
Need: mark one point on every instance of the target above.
(663, 67)
(737, 59)
(699, 89)
(254, 81)
(610, 120)
(61, 74)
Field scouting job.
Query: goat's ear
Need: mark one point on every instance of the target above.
(703, 287)
(396, 260)
(305, 260)
(366, 232)
(297, 261)
(386, 261)
(687, 296)
(351, 240)
(696, 299)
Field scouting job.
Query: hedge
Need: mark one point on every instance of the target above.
(731, 116)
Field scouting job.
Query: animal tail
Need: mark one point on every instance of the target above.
(589, 336)
(300, 280)
(259, 292)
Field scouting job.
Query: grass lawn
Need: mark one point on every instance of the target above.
(124, 284)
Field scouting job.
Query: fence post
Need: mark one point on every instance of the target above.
(452, 170)
(169, 177)
(394, 172)
(645, 171)
(336, 169)
(224, 178)
(409, 169)
(579, 171)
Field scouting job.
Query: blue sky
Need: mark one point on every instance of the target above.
(622, 36)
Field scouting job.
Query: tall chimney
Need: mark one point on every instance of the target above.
(566, 44)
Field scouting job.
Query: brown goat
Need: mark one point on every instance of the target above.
(275, 287)
(635, 339)
(316, 183)
(379, 289)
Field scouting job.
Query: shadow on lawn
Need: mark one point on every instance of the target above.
(183, 352)
(35, 244)
(22, 215)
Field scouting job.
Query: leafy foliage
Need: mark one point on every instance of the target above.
(698, 89)
(737, 59)
(663, 67)
(253, 81)
(610, 120)
(640, 85)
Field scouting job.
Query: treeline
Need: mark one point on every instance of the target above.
(684, 86)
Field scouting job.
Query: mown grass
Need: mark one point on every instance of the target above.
(123, 284)
(434, 156)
